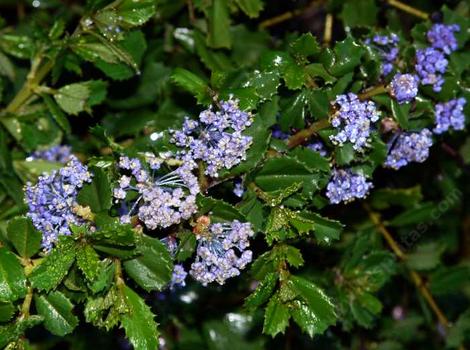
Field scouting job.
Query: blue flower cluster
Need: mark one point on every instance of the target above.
(387, 46)
(441, 37)
(353, 120)
(216, 138)
(319, 147)
(52, 201)
(431, 63)
(408, 147)
(238, 189)
(178, 278)
(346, 186)
(162, 199)
(58, 154)
(217, 259)
(450, 115)
(404, 87)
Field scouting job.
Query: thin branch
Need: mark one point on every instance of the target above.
(328, 33)
(303, 135)
(408, 9)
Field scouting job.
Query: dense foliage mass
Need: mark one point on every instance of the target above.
(234, 174)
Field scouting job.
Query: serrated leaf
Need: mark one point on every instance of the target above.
(347, 56)
(325, 229)
(422, 213)
(305, 45)
(19, 46)
(57, 312)
(219, 210)
(276, 317)
(25, 238)
(13, 331)
(251, 7)
(79, 97)
(400, 113)
(262, 292)
(313, 160)
(219, 25)
(139, 323)
(151, 270)
(97, 194)
(54, 266)
(12, 278)
(7, 310)
(88, 261)
(192, 83)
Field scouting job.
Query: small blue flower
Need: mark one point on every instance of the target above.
(387, 47)
(52, 200)
(404, 87)
(58, 154)
(222, 252)
(441, 36)
(431, 64)
(216, 138)
(450, 115)
(178, 278)
(345, 186)
(408, 147)
(353, 120)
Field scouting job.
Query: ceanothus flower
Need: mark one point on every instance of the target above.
(178, 278)
(58, 154)
(441, 36)
(387, 46)
(345, 186)
(53, 199)
(353, 120)
(408, 147)
(319, 147)
(238, 189)
(162, 199)
(216, 138)
(221, 252)
(450, 115)
(430, 65)
(404, 87)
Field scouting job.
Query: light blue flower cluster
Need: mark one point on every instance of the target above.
(216, 138)
(52, 201)
(58, 154)
(353, 120)
(238, 189)
(404, 87)
(163, 199)
(319, 147)
(387, 46)
(408, 147)
(345, 186)
(441, 37)
(178, 278)
(222, 252)
(450, 115)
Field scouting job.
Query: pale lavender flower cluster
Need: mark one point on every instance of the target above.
(52, 199)
(353, 120)
(319, 147)
(216, 138)
(238, 189)
(345, 186)
(431, 64)
(450, 115)
(178, 278)
(58, 154)
(441, 36)
(217, 259)
(404, 87)
(387, 46)
(162, 199)
(408, 147)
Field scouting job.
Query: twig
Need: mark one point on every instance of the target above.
(408, 9)
(376, 90)
(191, 13)
(328, 29)
(415, 277)
(303, 135)
(287, 15)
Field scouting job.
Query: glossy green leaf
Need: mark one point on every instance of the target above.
(276, 317)
(219, 25)
(25, 238)
(12, 278)
(192, 83)
(97, 194)
(400, 113)
(57, 311)
(252, 8)
(88, 261)
(262, 292)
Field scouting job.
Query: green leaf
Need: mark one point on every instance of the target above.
(219, 25)
(97, 194)
(13, 331)
(54, 266)
(313, 160)
(12, 278)
(262, 292)
(279, 173)
(306, 45)
(6, 67)
(218, 210)
(426, 256)
(448, 280)
(25, 238)
(135, 13)
(460, 331)
(57, 312)
(347, 56)
(319, 304)
(325, 229)
(88, 262)
(192, 83)
(406, 197)
(294, 111)
(79, 97)
(422, 213)
(139, 323)
(19, 46)
(276, 317)
(359, 13)
(153, 268)
(400, 112)
(251, 7)
(344, 154)
(7, 310)
(57, 113)
(318, 104)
